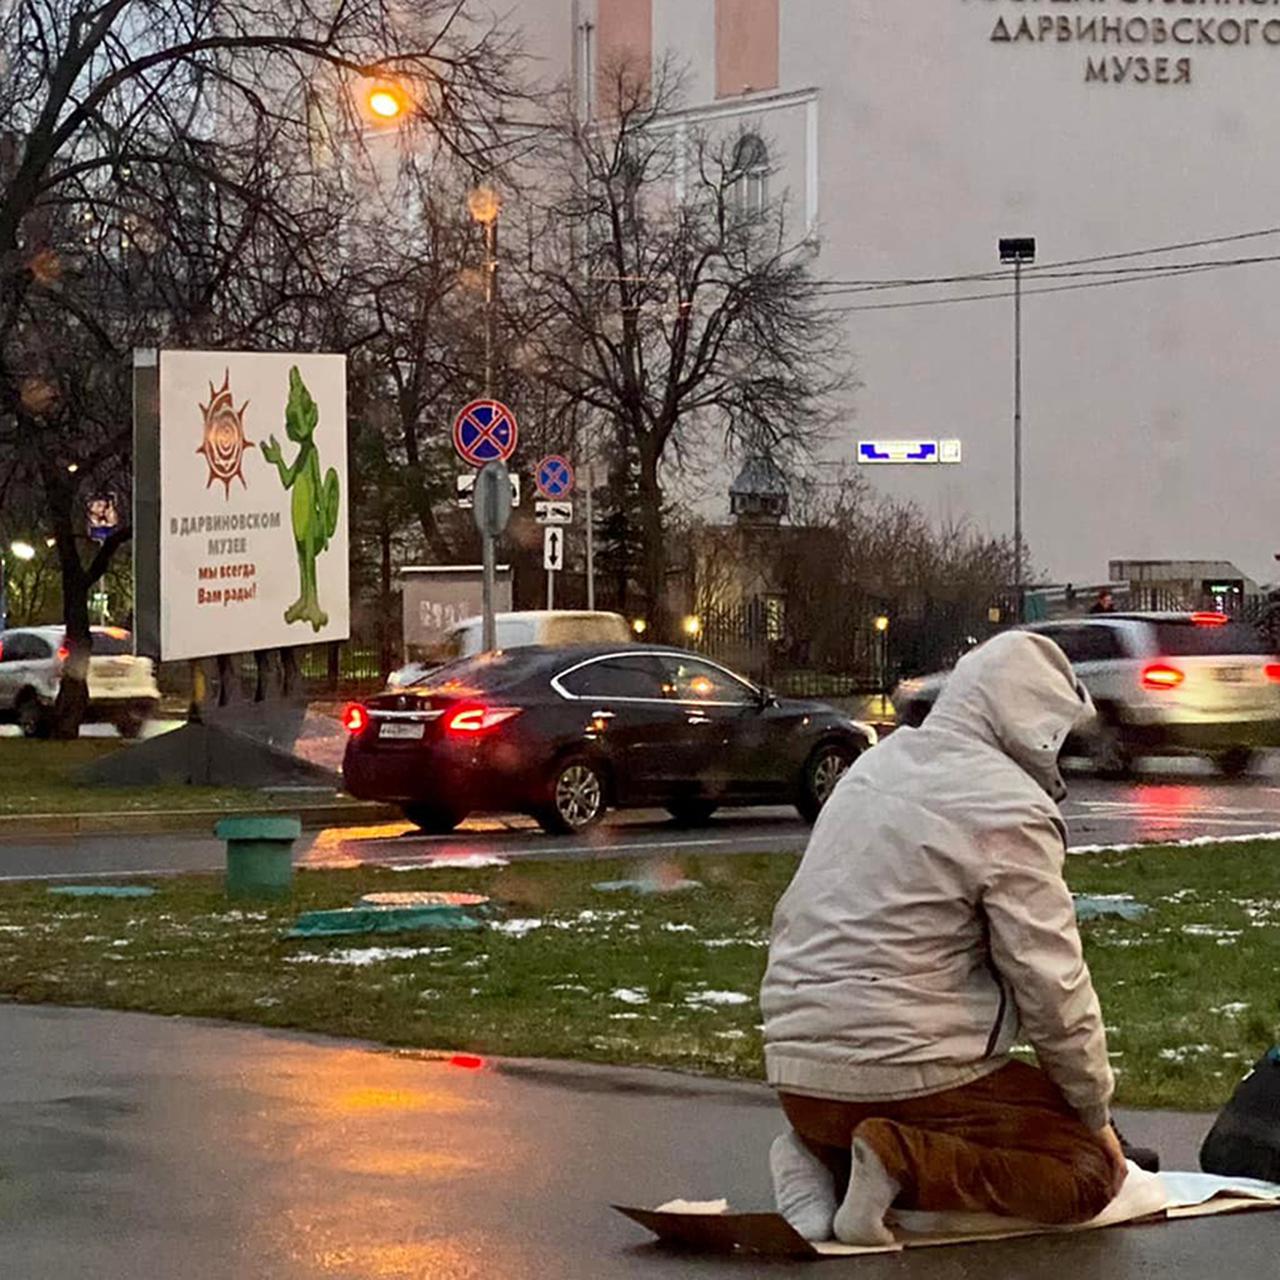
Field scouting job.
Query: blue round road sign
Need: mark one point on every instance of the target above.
(554, 476)
(485, 431)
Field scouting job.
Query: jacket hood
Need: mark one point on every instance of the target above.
(1018, 693)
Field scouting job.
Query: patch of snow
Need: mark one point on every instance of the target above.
(595, 917)
(12, 928)
(361, 956)
(1190, 842)
(121, 942)
(622, 1017)
(1185, 1051)
(266, 1002)
(735, 1034)
(709, 998)
(733, 942)
(571, 986)
(630, 995)
(1225, 937)
(678, 928)
(1232, 1010)
(516, 928)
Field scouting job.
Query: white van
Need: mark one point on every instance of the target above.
(551, 627)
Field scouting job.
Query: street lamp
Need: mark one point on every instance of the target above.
(23, 550)
(1017, 250)
(385, 103)
(484, 204)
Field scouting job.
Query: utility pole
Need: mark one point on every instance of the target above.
(1017, 251)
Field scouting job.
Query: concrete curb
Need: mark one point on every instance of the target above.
(22, 826)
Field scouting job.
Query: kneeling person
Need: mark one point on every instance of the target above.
(927, 928)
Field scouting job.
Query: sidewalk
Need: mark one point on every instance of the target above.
(139, 1146)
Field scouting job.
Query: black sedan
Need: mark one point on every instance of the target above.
(563, 734)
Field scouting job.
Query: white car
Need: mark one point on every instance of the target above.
(122, 687)
(554, 628)
(1162, 682)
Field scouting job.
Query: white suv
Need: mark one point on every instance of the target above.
(1162, 682)
(122, 687)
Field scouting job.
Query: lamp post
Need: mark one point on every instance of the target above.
(1017, 250)
(484, 205)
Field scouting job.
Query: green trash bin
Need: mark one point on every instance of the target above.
(259, 855)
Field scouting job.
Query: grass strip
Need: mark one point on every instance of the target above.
(1188, 991)
(39, 777)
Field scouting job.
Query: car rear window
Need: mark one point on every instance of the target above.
(111, 644)
(482, 673)
(1190, 639)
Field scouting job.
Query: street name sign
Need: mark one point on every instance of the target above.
(554, 512)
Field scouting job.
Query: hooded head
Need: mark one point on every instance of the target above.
(1018, 693)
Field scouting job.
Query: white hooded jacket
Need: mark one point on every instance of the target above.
(929, 924)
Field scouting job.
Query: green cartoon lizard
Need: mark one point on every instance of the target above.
(315, 506)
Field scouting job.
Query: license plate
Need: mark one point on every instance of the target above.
(1230, 675)
(401, 729)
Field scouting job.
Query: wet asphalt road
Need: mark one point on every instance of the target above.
(1176, 801)
(157, 1147)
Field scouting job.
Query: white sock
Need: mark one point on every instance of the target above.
(803, 1187)
(860, 1219)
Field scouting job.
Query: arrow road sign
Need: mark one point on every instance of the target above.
(554, 512)
(466, 483)
(908, 451)
(553, 548)
(485, 431)
(554, 476)
(492, 499)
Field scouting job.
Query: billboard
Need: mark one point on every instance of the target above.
(252, 501)
(438, 597)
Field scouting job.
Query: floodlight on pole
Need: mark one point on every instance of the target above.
(1017, 250)
(22, 550)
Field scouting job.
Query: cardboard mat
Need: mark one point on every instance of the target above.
(710, 1226)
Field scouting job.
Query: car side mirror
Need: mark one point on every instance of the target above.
(766, 699)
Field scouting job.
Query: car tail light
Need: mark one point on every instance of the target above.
(1272, 670)
(1160, 675)
(471, 717)
(63, 653)
(1210, 619)
(355, 719)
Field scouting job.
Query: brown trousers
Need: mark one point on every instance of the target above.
(1008, 1144)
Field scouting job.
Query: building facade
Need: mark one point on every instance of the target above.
(1131, 140)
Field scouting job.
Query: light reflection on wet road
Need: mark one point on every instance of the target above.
(157, 1147)
(1183, 800)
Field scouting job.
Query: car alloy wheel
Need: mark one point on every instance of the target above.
(826, 767)
(829, 769)
(576, 798)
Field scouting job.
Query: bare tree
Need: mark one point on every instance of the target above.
(174, 171)
(673, 304)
